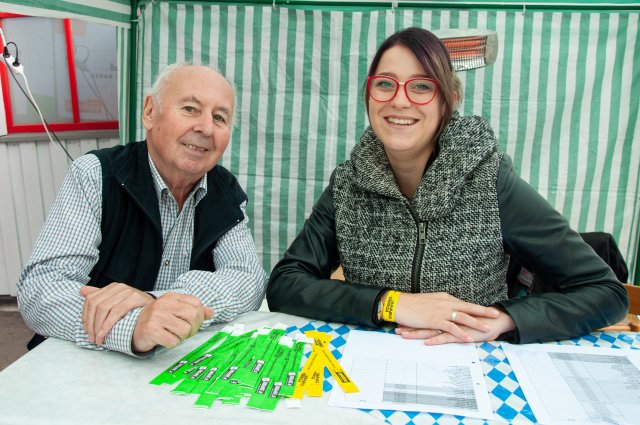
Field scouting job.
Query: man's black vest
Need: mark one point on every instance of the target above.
(131, 248)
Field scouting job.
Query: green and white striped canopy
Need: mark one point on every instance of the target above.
(590, 5)
(112, 12)
(560, 97)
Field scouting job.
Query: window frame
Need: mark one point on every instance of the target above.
(76, 124)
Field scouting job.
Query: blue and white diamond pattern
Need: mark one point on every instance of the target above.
(507, 399)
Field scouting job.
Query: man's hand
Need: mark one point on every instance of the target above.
(169, 320)
(495, 327)
(432, 311)
(103, 307)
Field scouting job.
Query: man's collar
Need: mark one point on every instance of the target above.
(160, 185)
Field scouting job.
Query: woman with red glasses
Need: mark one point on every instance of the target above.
(423, 219)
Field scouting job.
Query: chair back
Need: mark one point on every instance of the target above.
(633, 292)
(631, 323)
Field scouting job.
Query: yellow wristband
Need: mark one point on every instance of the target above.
(389, 306)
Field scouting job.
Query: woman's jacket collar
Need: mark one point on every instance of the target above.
(463, 145)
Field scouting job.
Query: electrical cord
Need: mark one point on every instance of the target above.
(5, 50)
(81, 64)
(15, 67)
(96, 92)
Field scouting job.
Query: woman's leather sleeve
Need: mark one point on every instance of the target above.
(586, 294)
(300, 283)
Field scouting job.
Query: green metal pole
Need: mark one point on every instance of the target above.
(133, 67)
(636, 278)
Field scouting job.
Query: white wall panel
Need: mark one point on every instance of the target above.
(10, 260)
(31, 172)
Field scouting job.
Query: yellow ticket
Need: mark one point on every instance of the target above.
(315, 385)
(347, 385)
(304, 378)
(319, 337)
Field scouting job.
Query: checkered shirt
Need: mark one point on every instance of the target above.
(67, 250)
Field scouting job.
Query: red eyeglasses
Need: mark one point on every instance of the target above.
(420, 91)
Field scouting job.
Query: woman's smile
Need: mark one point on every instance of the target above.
(401, 121)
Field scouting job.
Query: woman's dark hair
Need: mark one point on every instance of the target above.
(434, 58)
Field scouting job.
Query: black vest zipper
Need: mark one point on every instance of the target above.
(419, 251)
(156, 224)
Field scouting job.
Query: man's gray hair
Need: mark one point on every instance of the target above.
(161, 82)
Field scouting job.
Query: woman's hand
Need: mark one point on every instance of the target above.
(440, 311)
(495, 326)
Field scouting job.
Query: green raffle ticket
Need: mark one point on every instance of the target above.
(259, 366)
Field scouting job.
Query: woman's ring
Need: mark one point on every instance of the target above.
(439, 332)
(453, 315)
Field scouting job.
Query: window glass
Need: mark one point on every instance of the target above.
(96, 70)
(42, 52)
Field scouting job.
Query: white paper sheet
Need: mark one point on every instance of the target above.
(399, 374)
(578, 385)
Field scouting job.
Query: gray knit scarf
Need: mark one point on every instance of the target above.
(378, 228)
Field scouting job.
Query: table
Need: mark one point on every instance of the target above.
(60, 383)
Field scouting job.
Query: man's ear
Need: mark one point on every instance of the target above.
(147, 113)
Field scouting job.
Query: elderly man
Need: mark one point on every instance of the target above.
(148, 242)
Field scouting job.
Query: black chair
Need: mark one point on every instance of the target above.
(35, 341)
(520, 281)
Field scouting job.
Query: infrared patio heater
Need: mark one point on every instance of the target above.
(469, 49)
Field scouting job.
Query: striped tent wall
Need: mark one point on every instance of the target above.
(524, 6)
(111, 12)
(560, 98)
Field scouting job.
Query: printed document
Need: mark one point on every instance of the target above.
(399, 374)
(578, 385)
